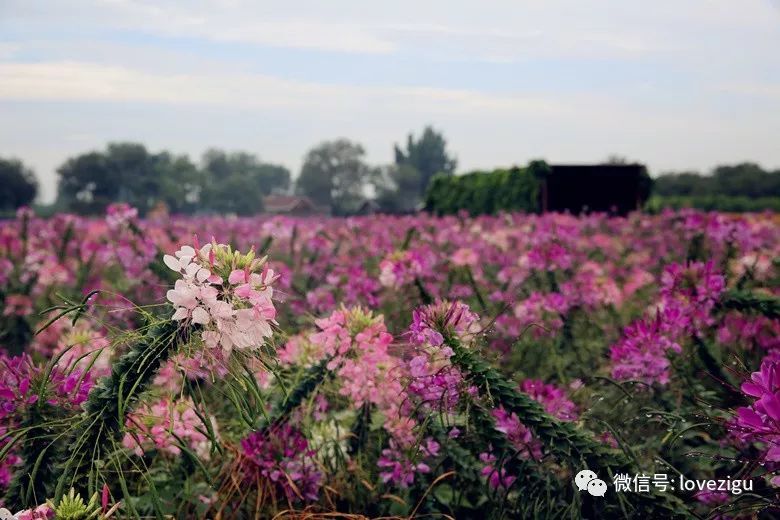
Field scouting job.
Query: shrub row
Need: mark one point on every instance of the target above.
(479, 193)
(714, 203)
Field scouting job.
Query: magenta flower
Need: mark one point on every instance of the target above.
(401, 466)
(430, 322)
(281, 456)
(554, 400)
(641, 354)
(497, 477)
(760, 421)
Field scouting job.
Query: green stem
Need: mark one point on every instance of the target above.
(30, 486)
(311, 379)
(107, 407)
(562, 439)
(749, 302)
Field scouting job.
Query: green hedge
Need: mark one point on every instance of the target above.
(714, 203)
(514, 189)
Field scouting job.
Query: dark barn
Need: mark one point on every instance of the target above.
(611, 188)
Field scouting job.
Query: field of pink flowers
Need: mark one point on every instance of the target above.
(389, 366)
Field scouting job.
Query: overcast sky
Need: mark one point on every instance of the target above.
(677, 84)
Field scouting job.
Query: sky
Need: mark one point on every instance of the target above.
(675, 84)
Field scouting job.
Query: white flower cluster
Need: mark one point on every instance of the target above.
(236, 312)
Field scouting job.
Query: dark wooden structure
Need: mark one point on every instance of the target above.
(611, 188)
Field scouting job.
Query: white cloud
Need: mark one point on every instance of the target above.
(568, 80)
(75, 81)
(505, 30)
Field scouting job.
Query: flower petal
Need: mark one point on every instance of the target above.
(172, 263)
(199, 315)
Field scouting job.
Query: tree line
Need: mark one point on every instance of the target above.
(334, 175)
(736, 188)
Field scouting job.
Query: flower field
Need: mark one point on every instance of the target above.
(384, 366)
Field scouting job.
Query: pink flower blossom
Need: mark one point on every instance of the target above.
(162, 425)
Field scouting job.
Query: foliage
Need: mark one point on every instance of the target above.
(740, 181)
(396, 366)
(727, 203)
(126, 172)
(18, 185)
(237, 182)
(428, 155)
(129, 173)
(515, 189)
(397, 188)
(335, 175)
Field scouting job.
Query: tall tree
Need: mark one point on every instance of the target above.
(335, 175)
(237, 182)
(124, 172)
(18, 185)
(181, 183)
(87, 184)
(397, 188)
(428, 155)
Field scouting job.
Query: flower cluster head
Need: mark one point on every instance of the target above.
(432, 377)
(281, 457)
(42, 512)
(400, 466)
(18, 305)
(22, 385)
(227, 293)
(641, 354)
(517, 433)
(553, 399)
(689, 293)
(540, 308)
(694, 290)
(521, 438)
(432, 322)
(760, 422)
(434, 380)
(402, 267)
(120, 215)
(497, 477)
(163, 426)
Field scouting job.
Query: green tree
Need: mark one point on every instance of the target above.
(396, 188)
(87, 184)
(237, 182)
(738, 180)
(334, 175)
(181, 183)
(428, 155)
(137, 173)
(18, 185)
(683, 183)
(745, 179)
(124, 172)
